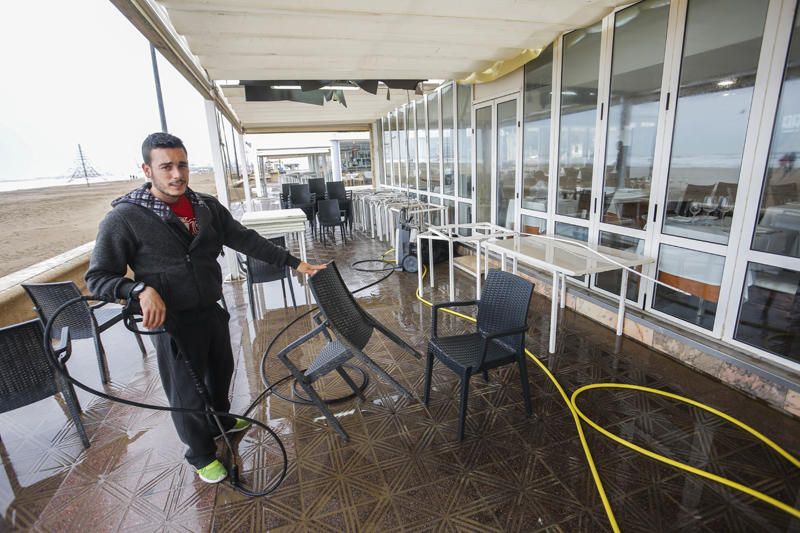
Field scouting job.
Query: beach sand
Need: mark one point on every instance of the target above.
(37, 224)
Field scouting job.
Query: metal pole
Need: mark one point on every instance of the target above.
(157, 79)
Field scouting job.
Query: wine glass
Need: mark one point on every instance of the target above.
(694, 209)
(725, 207)
(710, 204)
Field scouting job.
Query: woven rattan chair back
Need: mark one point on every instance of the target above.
(48, 297)
(317, 186)
(504, 305)
(346, 317)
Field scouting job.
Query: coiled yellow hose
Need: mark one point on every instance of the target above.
(578, 415)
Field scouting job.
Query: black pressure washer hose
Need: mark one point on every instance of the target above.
(130, 320)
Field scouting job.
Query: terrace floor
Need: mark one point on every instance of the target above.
(403, 469)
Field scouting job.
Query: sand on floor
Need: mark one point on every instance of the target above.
(37, 224)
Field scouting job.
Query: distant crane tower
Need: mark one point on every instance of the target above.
(83, 168)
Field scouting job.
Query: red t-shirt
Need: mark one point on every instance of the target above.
(184, 210)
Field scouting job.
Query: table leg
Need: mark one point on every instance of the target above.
(563, 297)
(419, 265)
(478, 270)
(503, 262)
(554, 312)
(623, 295)
(452, 273)
(514, 265)
(430, 261)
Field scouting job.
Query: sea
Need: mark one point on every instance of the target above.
(56, 181)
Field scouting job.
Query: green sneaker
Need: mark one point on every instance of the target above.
(213, 472)
(240, 425)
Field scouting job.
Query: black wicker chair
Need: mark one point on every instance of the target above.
(317, 187)
(336, 191)
(330, 216)
(353, 327)
(286, 192)
(258, 271)
(26, 375)
(499, 338)
(84, 321)
(302, 198)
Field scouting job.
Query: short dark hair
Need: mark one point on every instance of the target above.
(160, 140)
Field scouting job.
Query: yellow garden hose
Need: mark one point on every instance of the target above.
(577, 415)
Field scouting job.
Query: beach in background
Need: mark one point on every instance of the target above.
(37, 224)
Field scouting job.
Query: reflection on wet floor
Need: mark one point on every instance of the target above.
(403, 468)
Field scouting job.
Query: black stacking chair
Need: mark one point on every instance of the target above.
(336, 191)
(499, 338)
(330, 216)
(317, 187)
(286, 193)
(302, 198)
(258, 271)
(85, 321)
(353, 327)
(26, 375)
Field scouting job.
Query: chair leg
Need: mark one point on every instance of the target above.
(141, 344)
(312, 394)
(381, 372)
(428, 372)
(523, 376)
(102, 364)
(252, 299)
(350, 383)
(283, 288)
(464, 397)
(74, 407)
(291, 288)
(341, 231)
(486, 376)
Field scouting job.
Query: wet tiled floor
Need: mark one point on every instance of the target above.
(403, 469)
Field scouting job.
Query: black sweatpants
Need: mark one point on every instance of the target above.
(201, 337)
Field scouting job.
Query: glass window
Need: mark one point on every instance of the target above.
(436, 220)
(387, 152)
(711, 116)
(395, 149)
(451, 210)
(611, 281)
(465, 217)
(506, 162)
(640, 34)
(579, 233)
(579, 82)
(534, 225)
(697, 273)
(422, 146)
(483, 164)
(778, 229)
(769, 316)
(433, 141)
(464, 124)
(401, 135)
(536, 130)
(412, 148)
(447, 141)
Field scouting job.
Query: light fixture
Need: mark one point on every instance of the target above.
(726, 83)
(326, 88)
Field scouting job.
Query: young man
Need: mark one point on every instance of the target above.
(171, 238)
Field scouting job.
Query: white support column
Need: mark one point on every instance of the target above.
(336, 160)
(260, 192)
(248, 198)
(219, 179)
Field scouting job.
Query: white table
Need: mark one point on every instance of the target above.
(279, 222)
(479, 232)
(563, 259)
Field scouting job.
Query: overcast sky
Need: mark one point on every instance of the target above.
(78, 72)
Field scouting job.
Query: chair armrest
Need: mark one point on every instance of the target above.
(436, 307)
(64, 346)
(504, 333)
